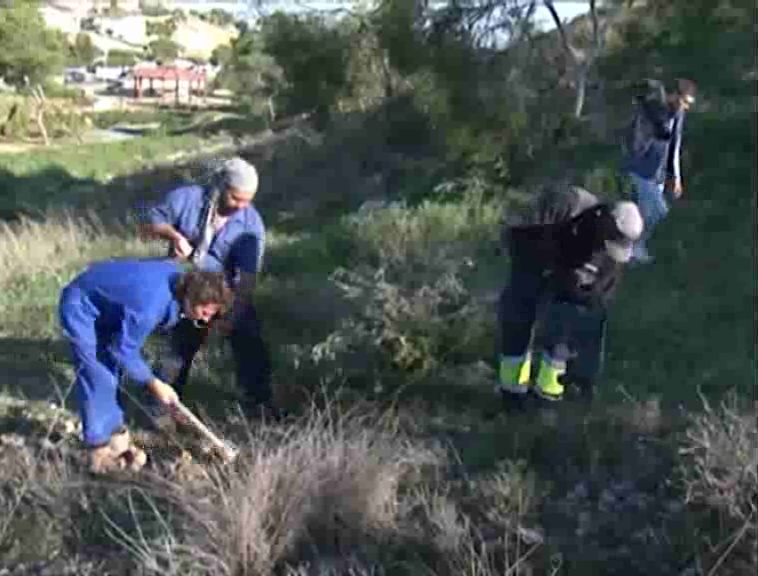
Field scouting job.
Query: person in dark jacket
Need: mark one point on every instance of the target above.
(652, 151)
(216, 227)
(566, 256)
(106, 313)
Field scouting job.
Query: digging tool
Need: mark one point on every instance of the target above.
(227, 451)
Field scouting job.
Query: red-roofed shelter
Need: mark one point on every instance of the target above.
(196, 79)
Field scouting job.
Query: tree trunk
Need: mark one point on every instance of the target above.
(271, 109)
(39, 97)
(581, 72)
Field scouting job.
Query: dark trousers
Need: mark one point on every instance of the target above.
(579, 329)
(252, 361)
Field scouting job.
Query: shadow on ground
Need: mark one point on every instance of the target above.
(35, 369)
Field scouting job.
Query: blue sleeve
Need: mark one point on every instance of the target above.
(169, 209)
(127, 347)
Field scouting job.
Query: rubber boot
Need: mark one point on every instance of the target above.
(548, 384)
(514, 374)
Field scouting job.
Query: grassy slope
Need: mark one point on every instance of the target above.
(678, 325)
(684, 324)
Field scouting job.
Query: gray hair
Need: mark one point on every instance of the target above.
(241, 175)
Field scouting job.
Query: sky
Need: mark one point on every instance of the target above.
(567, 9)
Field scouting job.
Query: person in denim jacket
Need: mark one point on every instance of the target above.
(652, 151)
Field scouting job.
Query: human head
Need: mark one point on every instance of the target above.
(203, 295)
(239, 185)
(683, 94)
(621, 225)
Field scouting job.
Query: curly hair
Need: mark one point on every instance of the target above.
(197, 287)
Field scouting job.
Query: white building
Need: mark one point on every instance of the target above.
(85, 6)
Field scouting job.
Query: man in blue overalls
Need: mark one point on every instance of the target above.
(106, 314)
(217, 228)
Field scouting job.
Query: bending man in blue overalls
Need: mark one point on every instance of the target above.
(217, 228)
(566, 255)
(107, 313)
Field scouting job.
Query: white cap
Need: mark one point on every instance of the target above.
(629, 225)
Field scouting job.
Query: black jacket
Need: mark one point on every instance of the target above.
(570, 253)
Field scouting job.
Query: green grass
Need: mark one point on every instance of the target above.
(104, 177)
(98, 162)
(683, 324)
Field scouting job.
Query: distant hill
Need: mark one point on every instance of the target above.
(196, 37)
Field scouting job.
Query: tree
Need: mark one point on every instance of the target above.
(249, 72)
(153, 8)
(221, 55)
(30, 51)
(121, 58)
(313, 56)
(163, 29)
(710, 41)
(220, 17)
(583, 59)
(83, 52)
(163, 49)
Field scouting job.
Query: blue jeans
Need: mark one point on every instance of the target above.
(251, 356)
(650, 199)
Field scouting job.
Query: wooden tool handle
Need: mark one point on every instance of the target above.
(204, 430)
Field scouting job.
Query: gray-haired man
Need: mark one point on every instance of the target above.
(217, 228)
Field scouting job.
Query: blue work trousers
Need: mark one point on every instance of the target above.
(96, 385)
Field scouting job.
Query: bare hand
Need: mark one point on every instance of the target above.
(182, 247)
(164, 393)
(674, 187)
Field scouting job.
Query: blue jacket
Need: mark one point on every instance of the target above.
(237, 246)
(116, 304)
(652, 149)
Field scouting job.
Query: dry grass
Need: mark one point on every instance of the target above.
(327, 485)
(333, 493)
(720, 471)
(46, 246)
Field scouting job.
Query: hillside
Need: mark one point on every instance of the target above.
(196, 37)
(377, 297)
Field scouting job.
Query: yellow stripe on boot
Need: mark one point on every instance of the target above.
(548, 386)
(514, 374)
